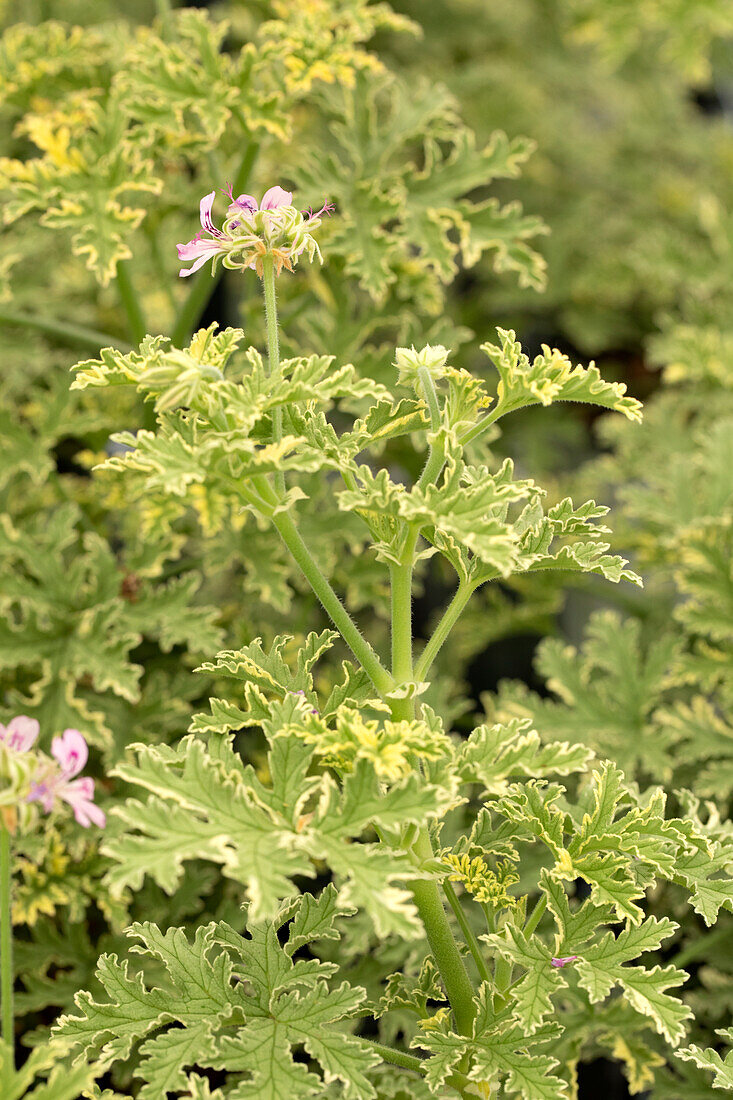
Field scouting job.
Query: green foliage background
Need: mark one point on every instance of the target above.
(452, 137)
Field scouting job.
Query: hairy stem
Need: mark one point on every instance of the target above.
(408, 1061)
(398, 1057)
(204, 285)
(431, 396)
(450, 618)
(273, 352)
(502, 978)
(425, 892)
(483, 425)
(433, 466)
(76, 335)
(401, 578)
(536, 915)
(442, 943)
(468, 934)
(6, 943)
(131, 303)
(350, 632)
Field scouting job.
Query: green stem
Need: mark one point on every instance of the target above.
(273, 352)
(458, 1081)
(6, 944)
(131, 302)
(350, 632)
(398, 1057)
(502, 977)
(204, 284)
(468, 934)
(425, 892)
(483, 425)
(436, 454)
(431, 396)
(442, 944)
(536, 915)
(433, 466)
(401, 578)
(76, 335)
(450, 617)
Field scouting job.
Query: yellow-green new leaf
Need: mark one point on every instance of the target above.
(550, 377)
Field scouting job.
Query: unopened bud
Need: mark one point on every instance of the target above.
(432, 357)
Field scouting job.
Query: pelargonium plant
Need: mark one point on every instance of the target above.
(423, 915)
(30, 780)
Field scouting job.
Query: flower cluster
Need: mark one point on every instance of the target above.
(50, 781)
(252, 230)
(392, 748)
(487, 886)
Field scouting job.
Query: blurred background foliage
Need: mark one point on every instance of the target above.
(563, 169)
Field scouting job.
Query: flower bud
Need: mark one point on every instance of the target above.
(432, 357)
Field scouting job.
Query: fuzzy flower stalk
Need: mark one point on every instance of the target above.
(251, 230)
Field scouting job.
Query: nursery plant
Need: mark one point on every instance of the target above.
(107, 609)
(334, 878)
(362, 788)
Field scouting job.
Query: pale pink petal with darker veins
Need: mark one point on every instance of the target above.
(71, 751)
(246, 204)
(79, 795)
(199, 250)
(205, 206)
(275, 198)
(199, 246)
(20, 733)
(190, 270)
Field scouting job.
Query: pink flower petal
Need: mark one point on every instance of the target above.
(43, 793)
(199, 263)
(20, 733)
(275, 198)
(244, 203)
(205, 213)
(71, 752)
(560, 962)
(199, 246)
(79, 795)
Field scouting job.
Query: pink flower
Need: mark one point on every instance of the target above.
(71, 753)
(199, 248)
(561, 961)
(252, 230)
(272, 199)
(20, 733)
